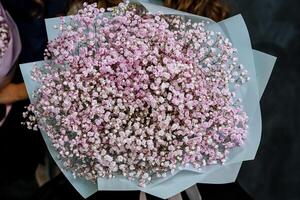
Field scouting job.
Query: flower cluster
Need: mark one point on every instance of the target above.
(4, 36)
(138, 94)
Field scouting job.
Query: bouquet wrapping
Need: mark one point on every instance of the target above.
(141, 128)
(10, 45)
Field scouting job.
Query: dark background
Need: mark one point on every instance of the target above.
(274, 27)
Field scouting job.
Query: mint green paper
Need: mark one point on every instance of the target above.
(264, 65)
(259, 66)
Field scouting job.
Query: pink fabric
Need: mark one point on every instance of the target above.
(8, 108)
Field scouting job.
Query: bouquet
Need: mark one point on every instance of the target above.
(155, 101)
(4, 36)
(10, 47)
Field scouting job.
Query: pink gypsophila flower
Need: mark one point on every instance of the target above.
(138, 94)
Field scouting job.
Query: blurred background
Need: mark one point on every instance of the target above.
(274, 28)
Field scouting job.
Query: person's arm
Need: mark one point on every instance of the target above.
(12, 93)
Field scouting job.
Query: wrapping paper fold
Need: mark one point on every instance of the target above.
(7, 63)
(259, 66)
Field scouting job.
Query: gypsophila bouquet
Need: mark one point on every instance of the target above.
(10, 47)
(138, 94)
(4, 37)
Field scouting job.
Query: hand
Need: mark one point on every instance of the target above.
(12, 93)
